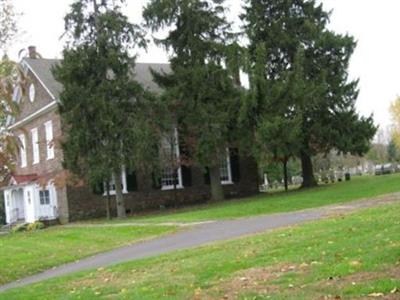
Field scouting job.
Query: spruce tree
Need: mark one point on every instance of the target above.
(105, 112)
(200, 91)
(325, 107)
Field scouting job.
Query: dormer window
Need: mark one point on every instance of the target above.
(32, 92)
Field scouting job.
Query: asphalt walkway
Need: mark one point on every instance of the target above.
(202, 234)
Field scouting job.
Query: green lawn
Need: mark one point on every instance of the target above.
(357, 188)
(348, 257)
(23, 254)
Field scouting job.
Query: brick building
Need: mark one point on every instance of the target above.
(31, 193)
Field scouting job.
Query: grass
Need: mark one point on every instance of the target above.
(357, 188)
(347, 257)
(26, 253)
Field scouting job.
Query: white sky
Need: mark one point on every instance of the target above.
(374, 24)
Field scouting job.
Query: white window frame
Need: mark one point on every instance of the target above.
(49, 140)
(17, 94)
(171, 186)
(112, 184)
(46, 198)
(35, 146)
(22, 150)
(32, 92)
(179, 185)
(226, 161)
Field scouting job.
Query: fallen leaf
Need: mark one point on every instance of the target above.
(303, 265)
(355, 263)
(376, 295)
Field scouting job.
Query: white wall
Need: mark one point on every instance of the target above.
(7, 205)
(34, 211)
(30, 203)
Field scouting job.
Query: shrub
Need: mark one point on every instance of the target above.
(35, 226)
(20, 227)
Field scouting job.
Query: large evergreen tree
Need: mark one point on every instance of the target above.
(200, 92)
(294, 33)
(105, 112)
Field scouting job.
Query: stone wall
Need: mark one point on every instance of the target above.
(84, 204)
(42, 98)
(45, 166)
(45, 169)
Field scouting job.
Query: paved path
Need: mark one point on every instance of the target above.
(140, 224)
(200, 235)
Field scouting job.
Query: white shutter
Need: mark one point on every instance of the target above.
(49, 139)
(22, 150)
(225, 169)
(35, 145)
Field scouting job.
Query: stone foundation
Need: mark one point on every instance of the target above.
(84, 204)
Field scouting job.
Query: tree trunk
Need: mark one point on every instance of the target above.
(175, 188)
(217, 193)
(307, 170)
(108, 201)
(121, 212)
(285, 174)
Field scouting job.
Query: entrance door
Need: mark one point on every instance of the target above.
(48, 203)
(18, 205)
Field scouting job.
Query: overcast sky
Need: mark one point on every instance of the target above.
(374, 24)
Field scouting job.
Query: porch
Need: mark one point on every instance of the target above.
(30, 202)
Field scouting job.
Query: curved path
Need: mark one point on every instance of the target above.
(200, 235)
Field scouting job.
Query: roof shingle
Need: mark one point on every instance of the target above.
(42, 69)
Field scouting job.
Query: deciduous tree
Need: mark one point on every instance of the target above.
(10, 77)
(8, 24)
(395, 112)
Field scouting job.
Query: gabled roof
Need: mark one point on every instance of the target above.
(23, 179)
(42, 69)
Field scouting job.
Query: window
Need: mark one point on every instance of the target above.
(17, 94)
(112, 184)
(22, 150)
(35, 145)
(225, 169)
(49, 140)
(171, 153)
(169, 178)
(44, 197)
(32, 92)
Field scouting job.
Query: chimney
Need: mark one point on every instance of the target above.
(32, 52)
